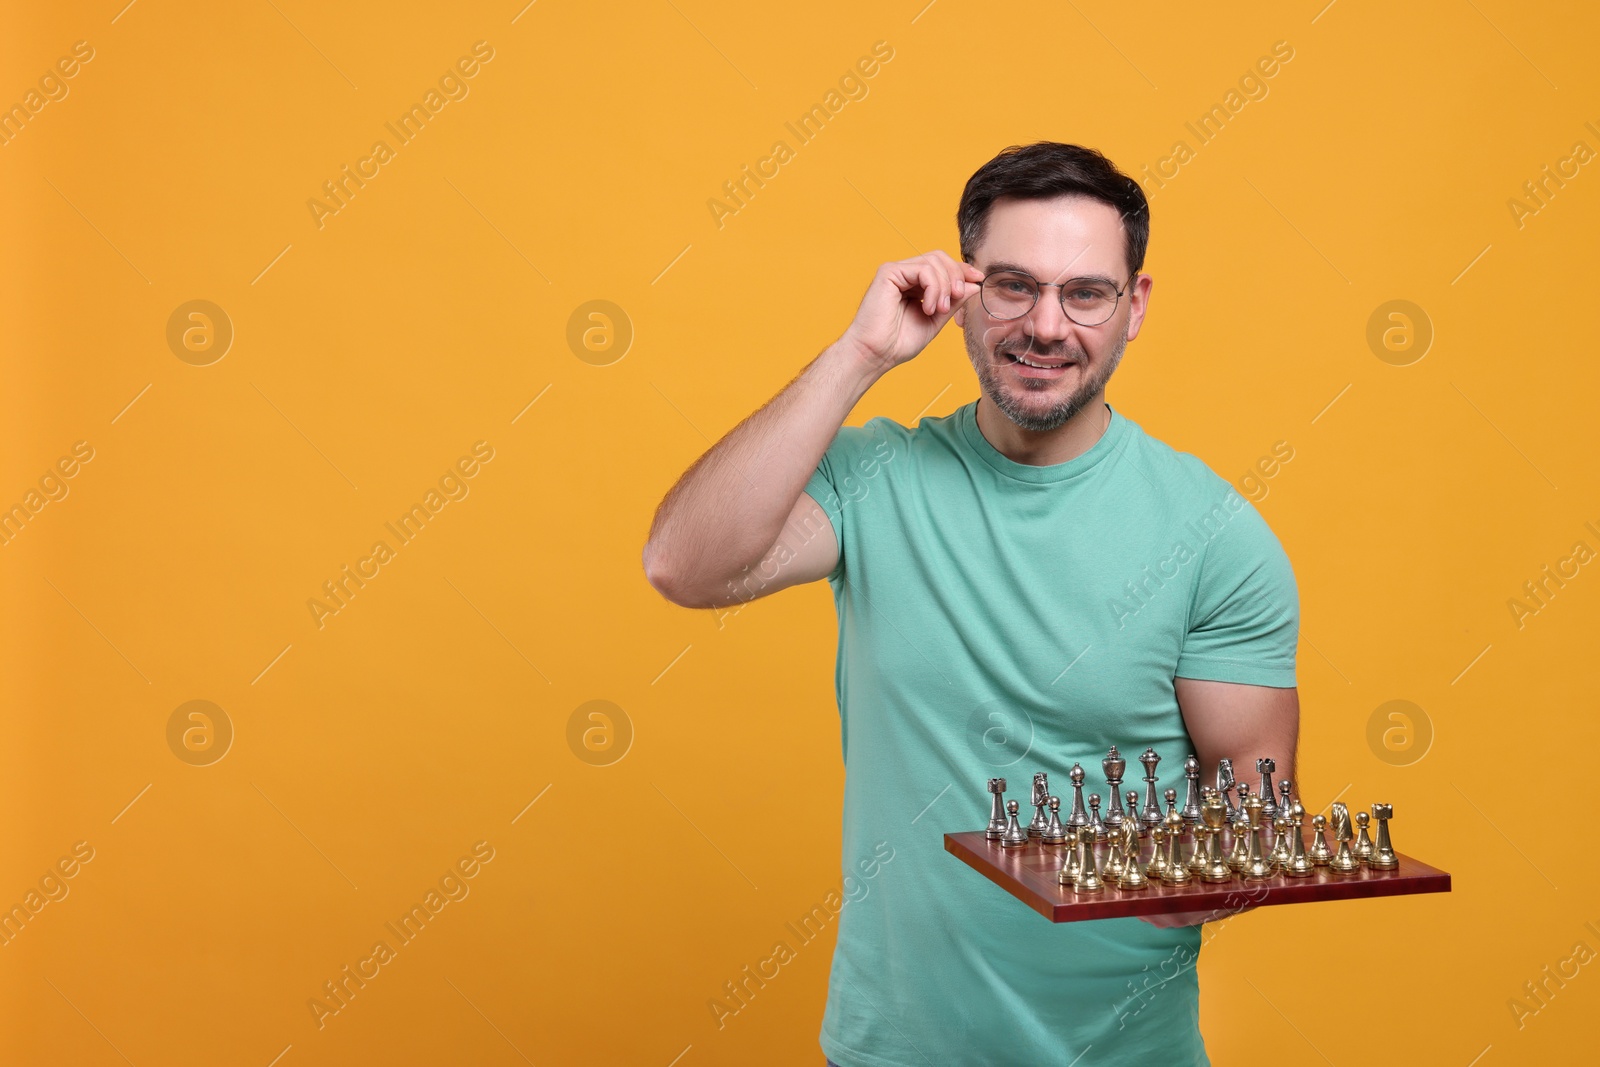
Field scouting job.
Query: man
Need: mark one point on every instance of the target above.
(1020, 585)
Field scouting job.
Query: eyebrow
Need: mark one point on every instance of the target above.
(1001, 264)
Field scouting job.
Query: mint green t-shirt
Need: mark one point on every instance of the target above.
(997, 619)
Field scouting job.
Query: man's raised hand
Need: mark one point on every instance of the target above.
(906, 306)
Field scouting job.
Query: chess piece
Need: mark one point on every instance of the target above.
(1363, 846)
(1133, 813)
(1131, 877)
(1172, 805)
(1054, 832)
(1175, 872)
(1113, 766)
(1299, 864)
(1285, 787)
(1225, 784)
(1191, 795)
(1383, 857)
(1099, 828)
(1320, 852)
(1015, 836)
(1088, 880)
(1158, 858)
(1069, 865)
(1151, 816)
(1266, 766)
(997, 817)
(1111, 869)
(1344, 861)
(1214, 813)
(1041, 797)
(1256, 865)
(1240, 854)
(1279, 856)
(1197, 837)
(1079, 817)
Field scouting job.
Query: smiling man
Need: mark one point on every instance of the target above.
(1020, 584)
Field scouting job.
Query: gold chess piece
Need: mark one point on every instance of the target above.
(1279, 856)
(1158, 855)
(1214, 814)
(1344, 861)
(1131, 877)
(1363, 846)
(1299, 864)
(1176, 872)
(1256, 865)
(1383, 857)
(1071, 863)
(1088, 880)
(1111, 869)
(1320, 852)
(1241, 832)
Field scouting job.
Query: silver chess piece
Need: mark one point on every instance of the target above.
(1080, 815)
(1285, 789)
(1225, 786)
(997, 817)
(1054, 832)
(1041, 797)
(1100, 830)
(1151, 816)
(1114, 766)
(1015, 836)
(1191, 795)
(1266, 766)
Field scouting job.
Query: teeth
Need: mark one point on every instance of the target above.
(1041, 366)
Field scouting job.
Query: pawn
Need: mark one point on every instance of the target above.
(1176, 871)
(1383, 857)
(1111, 869)
(1197, 850)
(1068, 875)
(1054, 833)
(1088, 880)
(1158, 855)
(1299, 865)
(1285, 787)
(1239, 856)
(1133, 806)
(1101, 831)
(1280, 839)
(1320, 852)
(1015, 836)
(1363, 846)
(1172, 804)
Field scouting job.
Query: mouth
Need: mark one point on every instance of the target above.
(1035, 366)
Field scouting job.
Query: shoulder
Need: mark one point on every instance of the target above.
(1180, 475)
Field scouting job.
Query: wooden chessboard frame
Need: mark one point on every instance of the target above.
(1029, 874)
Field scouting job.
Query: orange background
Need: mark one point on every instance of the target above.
(369, 755)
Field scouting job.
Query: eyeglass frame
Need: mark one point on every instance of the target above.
(1061, 299)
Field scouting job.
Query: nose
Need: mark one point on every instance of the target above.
(1048, 322)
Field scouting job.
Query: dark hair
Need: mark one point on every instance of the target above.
(1049, 169)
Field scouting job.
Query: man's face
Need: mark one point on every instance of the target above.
(1052, 240)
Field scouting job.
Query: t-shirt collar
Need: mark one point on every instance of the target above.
(1110, 441)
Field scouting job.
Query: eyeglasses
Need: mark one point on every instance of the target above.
(1011, 294)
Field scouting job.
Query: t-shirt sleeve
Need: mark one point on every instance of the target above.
(841, 478)
(1244, 623)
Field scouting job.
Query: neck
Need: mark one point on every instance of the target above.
(1068, 441)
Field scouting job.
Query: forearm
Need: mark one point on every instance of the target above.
(729, 508)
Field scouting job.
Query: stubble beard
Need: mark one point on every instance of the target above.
(1030, 417)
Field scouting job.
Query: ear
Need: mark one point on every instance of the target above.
(961, 316)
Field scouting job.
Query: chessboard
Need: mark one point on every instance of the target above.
(1030, 874)
(1209, 855)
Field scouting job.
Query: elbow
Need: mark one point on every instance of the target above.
(659, 572)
